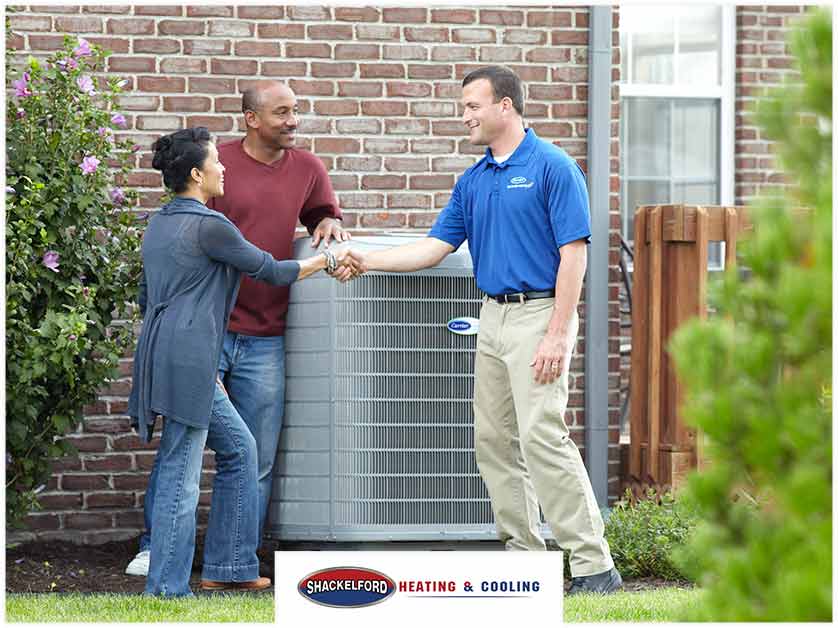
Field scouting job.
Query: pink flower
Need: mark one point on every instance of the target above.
(72, 337)
(85, 84)
(135, 148)
(89, 164)
(105, 132)
(118, 196)
(119, 120)
(21, 86)
(21, 114)
(67, 64)
(83, 49)
(50, 260)
(86, 291)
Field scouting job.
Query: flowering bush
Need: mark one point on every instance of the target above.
(72, 257)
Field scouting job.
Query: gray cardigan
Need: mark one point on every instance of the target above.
(193, 258)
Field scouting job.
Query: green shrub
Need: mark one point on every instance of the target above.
(758, 378)
(643, 535)
(72, 257)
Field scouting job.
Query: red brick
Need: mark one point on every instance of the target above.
(448, 127)
(182, 27)
(360, 201)
(31, 23)
(421, 220)
(336, 107)
(570, 37)
(357, 14)
(453, 53)
(423, 71)
(110, 500)
(376, 32)
(408, 201)
(132, 64)
(213, 85)
(570, 110)
(383, 219)
(46, 42)
(451, 164)
(157, 46)
(168, 10)
(209, 11)
(109, 9)
(155, 84)
(130, 519)
(130, 481)
(582, 20)
(357, 51)
(99, 407)
(330, 32)
(343, 181)
(234, 66)
(228, 104)
(402, 15)
(342, 70)
(381, 70)
(433, 145)
(500, 54)
(383, 108)
(42, 522)
(228, 28)
(312, 88)
(336, 145)
(528, 38)
(323, 51)
(123, 26)
(65, 463)
(570, 75)
(437, 35)
(261, 13)
(309, 13)
(213, 123)
(474, 36)
(408, 90)
(145, 461)
(107, 426)
(72, 482)
(206, 47)
(283, 68)
(130, 442)
(406, 164)
(87, 443)
(550, 92)
(87, 521)
(407, 126)
(281, 31)
(258, 49)
(383, 182)
(431, 182)
(536, 110)
(362, 126)
(15, 41)
(501, 18)
(81, 25)
(453, 16)
(385, 145)
(402, 53)
(552, 129)
(54, 9)
(60, 501)
(365, 163)
(551, 19)
(359, 89)
(186, 103)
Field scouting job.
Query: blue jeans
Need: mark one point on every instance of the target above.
(253, 371)
(232, 532)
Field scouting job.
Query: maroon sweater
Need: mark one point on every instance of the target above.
(265, 201)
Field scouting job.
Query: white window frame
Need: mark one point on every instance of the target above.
(725, 92)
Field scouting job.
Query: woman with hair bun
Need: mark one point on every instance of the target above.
(193, 259)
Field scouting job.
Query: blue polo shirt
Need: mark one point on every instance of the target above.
(516, 215)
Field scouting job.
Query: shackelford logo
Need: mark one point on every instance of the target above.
(346, 587)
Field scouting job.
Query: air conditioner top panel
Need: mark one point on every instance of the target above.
(458, 262)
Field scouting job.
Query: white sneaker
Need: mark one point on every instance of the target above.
(139, 566)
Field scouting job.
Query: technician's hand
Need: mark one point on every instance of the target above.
(351, 264)
(550, 358)
(328, 229)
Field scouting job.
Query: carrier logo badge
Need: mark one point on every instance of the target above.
(464, 326)
(519, 182)
(346, 587)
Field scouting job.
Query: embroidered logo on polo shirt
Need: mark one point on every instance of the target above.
(519, 182)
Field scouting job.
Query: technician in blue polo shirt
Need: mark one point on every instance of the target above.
(524, 210)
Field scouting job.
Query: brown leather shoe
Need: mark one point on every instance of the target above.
(249, 585)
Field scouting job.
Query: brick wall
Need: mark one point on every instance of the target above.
(763, 59)
(379, 91)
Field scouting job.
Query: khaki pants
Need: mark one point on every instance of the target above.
(522, 444)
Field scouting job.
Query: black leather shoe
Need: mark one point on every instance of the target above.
(605, 582)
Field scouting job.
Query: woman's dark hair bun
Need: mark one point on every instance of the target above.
(177, 153)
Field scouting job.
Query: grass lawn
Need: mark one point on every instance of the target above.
(108, 607)
(666, 604)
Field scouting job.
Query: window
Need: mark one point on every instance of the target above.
(677, 114)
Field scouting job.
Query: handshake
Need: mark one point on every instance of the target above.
(345, 265)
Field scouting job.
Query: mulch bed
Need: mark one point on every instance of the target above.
(63, 567)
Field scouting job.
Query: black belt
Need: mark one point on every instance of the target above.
(520, 297)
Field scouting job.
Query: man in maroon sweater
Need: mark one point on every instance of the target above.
(269, 186)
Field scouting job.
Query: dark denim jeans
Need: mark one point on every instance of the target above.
(232, 532)
(253, 371)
